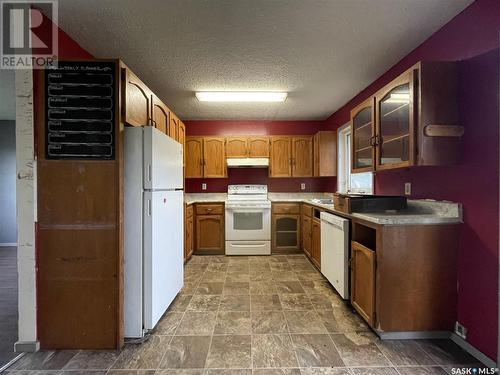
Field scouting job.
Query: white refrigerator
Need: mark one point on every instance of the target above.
(154, 227)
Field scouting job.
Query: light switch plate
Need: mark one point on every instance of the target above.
(203, 186)
(407, 188)
(302, 186)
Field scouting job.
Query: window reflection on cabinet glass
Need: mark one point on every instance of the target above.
(394, 116)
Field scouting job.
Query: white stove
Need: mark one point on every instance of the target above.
(248, 220)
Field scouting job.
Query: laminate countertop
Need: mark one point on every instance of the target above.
(419, 211)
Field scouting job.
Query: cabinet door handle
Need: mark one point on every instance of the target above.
(209, 209)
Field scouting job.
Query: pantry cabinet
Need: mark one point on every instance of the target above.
(137, 109)
(214, 157)
(210, 233)
(412, 121)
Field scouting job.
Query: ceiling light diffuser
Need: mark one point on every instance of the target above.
(241, 96)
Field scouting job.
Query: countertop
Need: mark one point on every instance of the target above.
(419, 211)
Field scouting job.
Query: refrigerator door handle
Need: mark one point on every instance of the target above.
(149, 172)
(149, 207)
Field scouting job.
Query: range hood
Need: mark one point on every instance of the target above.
(247, 162)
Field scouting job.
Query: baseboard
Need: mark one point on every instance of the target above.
(8, 244)
(483, 358)
(27, 346)
(413, 335)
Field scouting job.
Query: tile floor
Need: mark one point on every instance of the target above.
(262, 316)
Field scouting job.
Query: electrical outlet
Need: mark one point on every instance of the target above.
(203, 186)
(460, 330)
(407, 188)
(302, 186)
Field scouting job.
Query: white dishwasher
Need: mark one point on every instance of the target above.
(335, 252)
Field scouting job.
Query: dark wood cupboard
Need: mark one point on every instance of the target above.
(285, 227)
(137, 103)
(160, 114)
(210, 231)
(280, 164)
(194, 157)
(325, 153)
(205, 157)
(188, 232)
(316, 243)
(412, 121)
(302, 156)
(258, 147)
(237, 147)
(214, 157)
(362, 135)
(363, 281)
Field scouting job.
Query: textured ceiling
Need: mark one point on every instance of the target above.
(322, 52)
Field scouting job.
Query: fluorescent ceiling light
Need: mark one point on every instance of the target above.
(398, 98)
(241, 96)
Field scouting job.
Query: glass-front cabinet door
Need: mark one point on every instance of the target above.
(394, 112)
(363, 135)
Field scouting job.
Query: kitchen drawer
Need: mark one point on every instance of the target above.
(307, 210)
(286, 208)
(209, 209)
(189, 211)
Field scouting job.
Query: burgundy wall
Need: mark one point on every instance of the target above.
(472, 38)
(257, 175)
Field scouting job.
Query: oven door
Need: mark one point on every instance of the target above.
(248, 224)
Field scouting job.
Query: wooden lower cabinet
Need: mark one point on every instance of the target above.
(306, 235)
(316, 242)
(285, 227)
(363, 281)
(209, 231)
(404, 277)
(188, 233)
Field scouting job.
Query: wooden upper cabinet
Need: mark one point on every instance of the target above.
(214, 157)
(395, 139)
(325, 154)
(363, 136)
(137, 110)
(173, 126)
(237, 147)
(363, 281)
(194, 160)
(280, 163)
(411, 121)
(258, 147)
(160, 115)
(302, 156)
